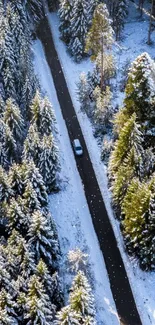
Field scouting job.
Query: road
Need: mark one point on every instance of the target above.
(119, 282)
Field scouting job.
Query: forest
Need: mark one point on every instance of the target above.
(31, 287)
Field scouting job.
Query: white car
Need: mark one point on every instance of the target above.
(77, 147)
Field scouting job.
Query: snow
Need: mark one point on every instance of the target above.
(70, 210)
(134, 43)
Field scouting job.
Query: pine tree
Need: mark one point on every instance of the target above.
(118, 10)
(129, 137)
(68, 316)
(18, 216)
(81, 298)
(147, 242)
(6, 193)
(35, 10)
(134, 207)
(83, 93)
(103, 109)
(17, 179)
(81, 304)
(100, 35)
(65, 15)
(13, 118)
(38, 307)
(50, 283)
(79, 28)
(48, 161)
(7, 303)
(31, 198)
(41, 237)
(32, 146)
(2, 106)
(32, 174)
(5, 319)
(42, 114)
(140, 94)
(126, 158)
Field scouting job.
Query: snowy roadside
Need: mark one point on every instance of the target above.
(69, 208)
(142, 283)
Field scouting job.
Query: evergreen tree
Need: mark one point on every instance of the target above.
(34, 9)
(32, 146)
(126, 158)
(79, 28)
(50, 283)
(41, 237)
(31, 198)
(100, 35)
(134, 207)
(118, 11)
(48, 161)
(17, 179)
(18, 216)
(81, 304)
(2, 106)
(13, 119)
(81, 298)
(42, 114)
(5, 319)
(7, 303)
(5, 193)
(83, 93)
(38, 309)
(65, 15)
(32, 174)
(147, 242)
(140, 94)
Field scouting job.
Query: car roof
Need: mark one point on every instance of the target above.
(77, 142)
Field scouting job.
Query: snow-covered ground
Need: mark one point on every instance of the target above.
(134, 43)
(70, 211)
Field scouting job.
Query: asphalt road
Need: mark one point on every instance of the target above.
(119, 282)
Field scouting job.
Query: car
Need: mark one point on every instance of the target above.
(77, 147)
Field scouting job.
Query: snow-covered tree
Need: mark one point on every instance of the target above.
(5, 190)
(140, 94)
(5, 319)
(103, 109)
(79, 28)
(32, 174)
(126, 158)
(65, 15)
(147, 243)
(81, 307)
(32, 145)
(13, 118)
(118, 10)
(34, 9)
(7, 303)
(100, 37)
(17, 179)
(83, 93)
(41, 237)
(18, 216)
(38, 309)
(31, 198)
(50, 282)
(42, 114)
(134, 207)
(2, 106)
(48, 161)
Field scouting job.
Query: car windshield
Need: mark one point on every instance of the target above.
(78, 148)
